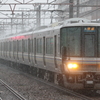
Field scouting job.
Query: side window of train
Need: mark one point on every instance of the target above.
(39, 45)
(17, 45)
(58, 45)
(31, 45)
(0, 45)
(49, 45)
(26, 45)
(20, 45)
(4, 46)
(23, 46)
(9, 46)
(13, 46)
(55, 45)
(34, 45)
(29, 49)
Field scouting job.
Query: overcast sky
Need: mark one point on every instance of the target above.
(7, 7)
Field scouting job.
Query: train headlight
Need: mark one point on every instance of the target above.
(72, 66)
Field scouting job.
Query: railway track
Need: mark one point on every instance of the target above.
(12, 91)
(62, 89)
(67, 91)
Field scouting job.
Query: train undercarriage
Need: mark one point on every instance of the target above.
(87, 80)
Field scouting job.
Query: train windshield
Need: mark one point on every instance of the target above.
(71, 39)
(81, 41)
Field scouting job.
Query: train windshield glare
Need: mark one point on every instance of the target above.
(71, 39)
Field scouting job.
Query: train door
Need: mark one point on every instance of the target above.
(44, 52)
(55, 50)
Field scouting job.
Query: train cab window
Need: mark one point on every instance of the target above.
(49, 45)
(71, 39)
(39, 45)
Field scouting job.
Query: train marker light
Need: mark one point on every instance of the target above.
(72, 66)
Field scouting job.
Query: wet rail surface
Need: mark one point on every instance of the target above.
(64, 90)
(8, 93)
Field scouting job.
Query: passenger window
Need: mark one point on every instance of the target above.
(49, 45)
(39, 45)
(29, 49)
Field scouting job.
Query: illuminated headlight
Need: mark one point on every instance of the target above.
(72, 66)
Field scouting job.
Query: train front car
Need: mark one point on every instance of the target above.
(80, 49)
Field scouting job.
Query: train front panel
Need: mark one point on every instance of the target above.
(80, 49)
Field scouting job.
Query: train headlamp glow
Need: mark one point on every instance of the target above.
(72, 66)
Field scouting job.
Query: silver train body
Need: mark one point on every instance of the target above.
(71, 52)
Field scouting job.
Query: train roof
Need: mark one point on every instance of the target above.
(58, 25)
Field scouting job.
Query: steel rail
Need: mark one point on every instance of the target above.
(83, 97)
(12, 90)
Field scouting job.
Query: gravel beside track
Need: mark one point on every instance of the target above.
(30, 88)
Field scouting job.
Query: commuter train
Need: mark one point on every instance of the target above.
(66, 53)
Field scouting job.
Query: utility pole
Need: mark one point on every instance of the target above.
(71, 9)
(77, 8)
(12, 23)
(38, 16)
(22, 21)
